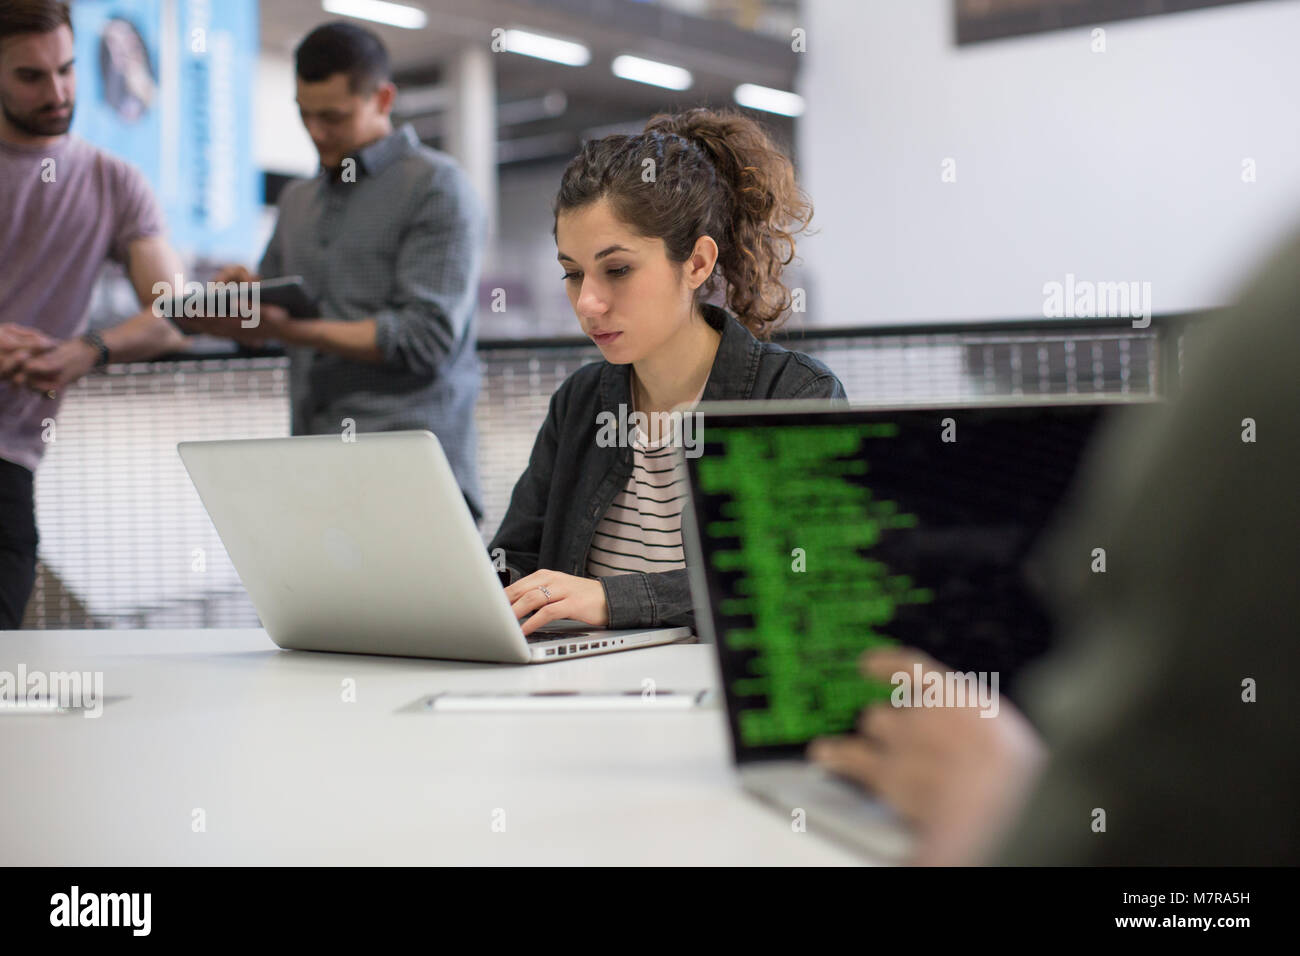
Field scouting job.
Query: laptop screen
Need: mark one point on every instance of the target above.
(817, 535)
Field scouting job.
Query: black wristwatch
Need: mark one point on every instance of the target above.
(94, 340)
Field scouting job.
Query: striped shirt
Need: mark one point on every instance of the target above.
(642, 530)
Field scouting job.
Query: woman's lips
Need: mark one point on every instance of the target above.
(604, 338)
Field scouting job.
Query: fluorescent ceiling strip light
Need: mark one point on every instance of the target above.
(652, 72)
(379, 11)
(769, 100)
(545, 48)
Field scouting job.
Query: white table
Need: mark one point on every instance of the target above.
(286, 772)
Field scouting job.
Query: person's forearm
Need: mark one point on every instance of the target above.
(649, 599)
(143, 336)
(353, 340)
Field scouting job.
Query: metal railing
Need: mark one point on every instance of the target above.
(125, 541)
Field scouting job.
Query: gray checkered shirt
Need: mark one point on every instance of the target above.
(402, 245)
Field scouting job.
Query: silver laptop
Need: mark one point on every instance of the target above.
(815, 531)
(368, 547)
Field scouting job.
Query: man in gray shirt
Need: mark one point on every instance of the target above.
(388, 238)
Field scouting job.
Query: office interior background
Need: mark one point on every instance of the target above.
(960, 155)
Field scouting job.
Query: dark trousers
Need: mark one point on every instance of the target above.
(17, 543)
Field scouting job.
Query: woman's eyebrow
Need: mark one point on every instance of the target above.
(599, 255)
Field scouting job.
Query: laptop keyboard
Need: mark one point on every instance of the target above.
(543, 634)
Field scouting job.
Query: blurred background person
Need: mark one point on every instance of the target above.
(1170, 724)
(388, 236)
(65, 208)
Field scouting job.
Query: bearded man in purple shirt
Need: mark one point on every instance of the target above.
(65, 207)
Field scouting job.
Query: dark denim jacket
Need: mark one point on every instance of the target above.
(571, 480)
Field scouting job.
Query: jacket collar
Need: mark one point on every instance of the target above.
(735, 366)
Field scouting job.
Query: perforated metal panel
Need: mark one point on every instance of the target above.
(125, 541)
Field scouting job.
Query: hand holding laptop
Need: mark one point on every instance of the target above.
(959, 778)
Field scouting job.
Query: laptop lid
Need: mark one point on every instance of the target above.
(815, 531)
(364, 546)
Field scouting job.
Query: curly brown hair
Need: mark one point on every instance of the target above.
(715, 173)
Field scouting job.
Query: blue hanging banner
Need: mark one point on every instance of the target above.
(168, 85)
(119, 99)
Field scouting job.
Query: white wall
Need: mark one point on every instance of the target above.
(280, 141)
(1123, 165)
(525, 252)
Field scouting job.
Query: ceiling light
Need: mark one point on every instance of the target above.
(769, 100)
(652, 72)
(380, 11)
(545, 48)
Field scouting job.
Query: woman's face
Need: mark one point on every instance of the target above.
(626, 294)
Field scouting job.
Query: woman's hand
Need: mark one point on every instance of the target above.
(554, 596)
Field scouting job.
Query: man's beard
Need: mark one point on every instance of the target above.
(34, 124)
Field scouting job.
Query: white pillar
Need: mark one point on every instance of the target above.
(471, 127)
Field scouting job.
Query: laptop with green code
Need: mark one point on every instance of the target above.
(815, 531)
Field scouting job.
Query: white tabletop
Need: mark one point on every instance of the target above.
(285, 771)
